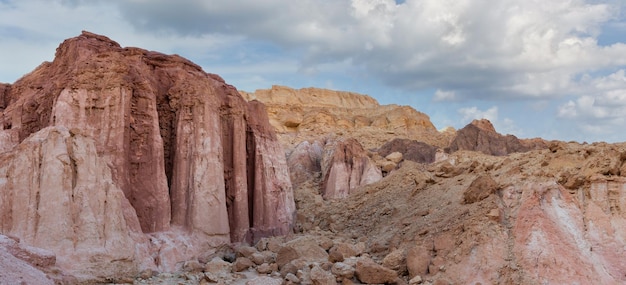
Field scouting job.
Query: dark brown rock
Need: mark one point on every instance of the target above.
(479, 189)
(480, 135)
(411, 150)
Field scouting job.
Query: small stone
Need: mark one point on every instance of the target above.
(245, 251)
(258, 258)
(193, 266)
(290, 277)
(320, 276)
(343, 270)
(416, 280)
(264, 269)
(395, 157)
(326, 243)
(242, 264)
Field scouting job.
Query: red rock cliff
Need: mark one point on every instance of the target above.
(184, 147)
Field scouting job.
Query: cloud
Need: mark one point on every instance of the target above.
(441, 95)
(598, 113)
(473, 113)
(473, 48)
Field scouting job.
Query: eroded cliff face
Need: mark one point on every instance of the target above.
(309, 113)
(57, 194)
(187, 152)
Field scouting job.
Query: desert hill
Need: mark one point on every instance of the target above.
(120, 165)
(310, 113)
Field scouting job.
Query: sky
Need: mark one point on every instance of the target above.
(554, 69)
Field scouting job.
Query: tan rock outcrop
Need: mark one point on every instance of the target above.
(307, 114)
(196, 164)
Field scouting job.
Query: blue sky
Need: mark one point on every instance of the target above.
(553, 69)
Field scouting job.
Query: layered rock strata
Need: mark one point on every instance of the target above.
(308, 113)
(173, 148)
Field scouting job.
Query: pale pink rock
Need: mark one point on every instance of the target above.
(305, 161)
(346, 166)
(57, 194)
(161, 161)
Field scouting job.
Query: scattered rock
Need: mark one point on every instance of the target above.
(320, 276)
(241, 264)
(481, 188)
(370, 272)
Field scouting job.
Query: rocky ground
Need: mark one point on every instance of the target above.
(364, 194)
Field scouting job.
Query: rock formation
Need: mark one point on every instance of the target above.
(480, 135)
(410, 149)
(309, 113)
(57, 194)
(345, 167)
(154, 144)
(21, 264)
(496, 220)
(339, 166)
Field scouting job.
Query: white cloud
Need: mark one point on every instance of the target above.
(602, 112)
(473, 113)
(533, 50)
(475, 48)
(441, 95)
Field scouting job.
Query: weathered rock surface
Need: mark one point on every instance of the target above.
(57, 194)
(545, 216)
(338, 165)
(156, 146)
(369, 272)
(20, 264)
(480, 135)
(309, 113)
(346, 166)
(410, 149)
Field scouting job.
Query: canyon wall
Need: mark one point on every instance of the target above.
(165, 147)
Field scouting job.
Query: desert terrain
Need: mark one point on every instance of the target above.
(120, 165)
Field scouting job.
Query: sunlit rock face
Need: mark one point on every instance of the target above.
(105, 143)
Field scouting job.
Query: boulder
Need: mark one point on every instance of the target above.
(417, 260)
(479, 189)
(370, 272)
